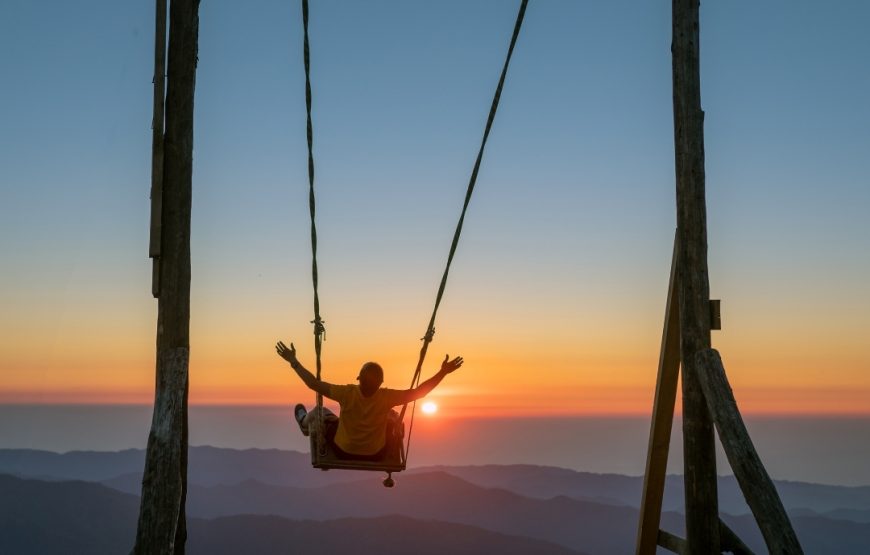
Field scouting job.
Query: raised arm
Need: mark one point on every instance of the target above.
(289, 354)
(447, 367)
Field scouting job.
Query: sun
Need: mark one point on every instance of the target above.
(429, 407)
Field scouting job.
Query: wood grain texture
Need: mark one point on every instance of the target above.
(161, 527)
(757, 487)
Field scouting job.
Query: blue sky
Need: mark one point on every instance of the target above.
(568, 239)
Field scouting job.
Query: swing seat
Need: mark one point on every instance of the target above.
(393, 460)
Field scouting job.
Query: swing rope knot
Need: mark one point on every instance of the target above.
(430, 335)
(319, 328)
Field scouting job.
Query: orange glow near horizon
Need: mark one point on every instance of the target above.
(588, 402)
(582, 371)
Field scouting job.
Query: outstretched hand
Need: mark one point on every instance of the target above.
(288, 354)
(449, 366)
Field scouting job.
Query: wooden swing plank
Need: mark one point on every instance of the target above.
(342, 464)
(330, 461)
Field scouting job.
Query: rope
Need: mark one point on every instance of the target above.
(430, 330)
(319, 329)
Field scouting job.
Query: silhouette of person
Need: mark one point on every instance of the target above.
(360, 431)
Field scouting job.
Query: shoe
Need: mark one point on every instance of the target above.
(299, 413)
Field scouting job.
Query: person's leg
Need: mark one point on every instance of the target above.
(312, 418)
(299, 413)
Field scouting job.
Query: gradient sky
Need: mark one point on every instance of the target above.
(557, 292)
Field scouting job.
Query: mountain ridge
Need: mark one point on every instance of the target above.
(66, 517)
(213, 465)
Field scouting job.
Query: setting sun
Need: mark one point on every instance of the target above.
(429, 407)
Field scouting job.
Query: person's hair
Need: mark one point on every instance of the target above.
(371, 367)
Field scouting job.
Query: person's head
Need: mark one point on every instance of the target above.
(371, 376)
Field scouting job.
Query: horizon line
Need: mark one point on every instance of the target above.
(463, 414)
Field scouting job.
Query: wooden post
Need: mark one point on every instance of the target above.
(702, 512)
(161, 527)
(157, 145)
(757, 487)
(662, 421)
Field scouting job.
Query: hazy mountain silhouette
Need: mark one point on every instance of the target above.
(211, 466)
(384, 535)
(65, 517)
(845, 514)
(75, 465)
(81, 517)
(582, 525)
(588, 512)
(545, 482)
(208, 466)
(579, 525)
(828, 536)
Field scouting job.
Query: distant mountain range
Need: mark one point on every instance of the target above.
(80, 517)
(285, 502)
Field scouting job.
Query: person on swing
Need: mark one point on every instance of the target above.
(360, 430)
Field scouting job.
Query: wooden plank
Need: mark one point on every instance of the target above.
(672, 542)
(662, 421)
(154, 242)
(702, 514)
(757, 487)
(162, 513)
(393, 462)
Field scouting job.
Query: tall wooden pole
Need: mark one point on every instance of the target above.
(702, 510)
(161, 526)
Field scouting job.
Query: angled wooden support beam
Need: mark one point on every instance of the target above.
(672, 542)
(757, 487)
(731, 543)
(662, 420)
(663, 414)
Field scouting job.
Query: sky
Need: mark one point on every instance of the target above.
(557, 292)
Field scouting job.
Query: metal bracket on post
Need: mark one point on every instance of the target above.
(715, 315)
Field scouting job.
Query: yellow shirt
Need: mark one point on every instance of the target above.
(362, 423)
